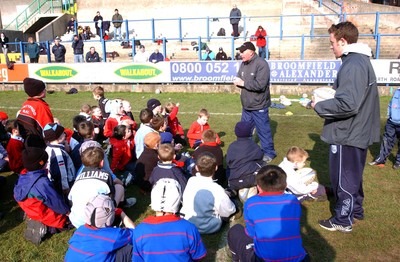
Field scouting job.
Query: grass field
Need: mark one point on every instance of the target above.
(374, 239)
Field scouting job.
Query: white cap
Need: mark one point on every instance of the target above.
(166, 196)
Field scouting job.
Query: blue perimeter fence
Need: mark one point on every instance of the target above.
(150, 31)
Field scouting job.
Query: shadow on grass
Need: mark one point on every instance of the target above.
(319, 158)
(13, 215)
(316, 246)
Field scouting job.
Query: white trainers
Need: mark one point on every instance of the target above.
(128, 179)
(130, 202)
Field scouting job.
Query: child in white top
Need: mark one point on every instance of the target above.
(301, 183)
(205, 203)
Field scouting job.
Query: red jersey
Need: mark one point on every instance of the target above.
(34, 115)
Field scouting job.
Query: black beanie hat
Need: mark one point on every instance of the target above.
(33, 87)
(153, 103)
(34, 158)
(243, 129)
(52, 132)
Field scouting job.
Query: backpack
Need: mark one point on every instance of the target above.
(221, 32)
(394, 107)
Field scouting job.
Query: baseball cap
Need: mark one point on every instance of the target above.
(166, 196)
(100, 211)
(245, 46)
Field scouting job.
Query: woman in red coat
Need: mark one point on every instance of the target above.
(261, 41)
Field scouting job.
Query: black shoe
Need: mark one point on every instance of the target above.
(396, 166)
(35, 231)
(328, 225)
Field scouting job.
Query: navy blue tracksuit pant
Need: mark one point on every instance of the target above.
(346, 166)
(260, 119)
(392, 131)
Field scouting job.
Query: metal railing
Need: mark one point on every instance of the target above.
(203, 29)
(33, 9)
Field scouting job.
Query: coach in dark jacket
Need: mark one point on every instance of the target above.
(253, 80)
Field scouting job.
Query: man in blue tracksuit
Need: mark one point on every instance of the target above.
(253, 80)
(352, 123)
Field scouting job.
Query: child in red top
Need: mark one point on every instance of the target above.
(35, 112)
(198, 127)
(171, 110)
(14, 147)
(123, 150)
(117, 117)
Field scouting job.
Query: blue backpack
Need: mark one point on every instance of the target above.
(394, 107)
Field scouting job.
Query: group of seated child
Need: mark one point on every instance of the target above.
(74, 182)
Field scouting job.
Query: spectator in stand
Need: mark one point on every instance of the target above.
(208, 54)
(3, 42)
(98, 19)
(92, 56)
(235, 16)
(59, 51)
(117, 22)
(71, 25)
(261, 42)
(77, 45)
(141, 56)
(221, 55)
(156, 57)
(32, 49)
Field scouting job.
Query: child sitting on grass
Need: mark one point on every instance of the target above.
(92, 181)
(146, 116)
(166, 236)
(175, 127)
(98, 94)
(123, 154)
(166, 168)
(205, 203)
(98, 239)
(36, 195)
(147, 161)
(61, 168)
(14, 147)
(86, 111)
(198, 127)
(209, 144)
(243, 159)
(301, 185)
(272, 221)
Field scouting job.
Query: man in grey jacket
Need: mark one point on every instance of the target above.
(235, 16)
(352, 123)
(253, 80)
